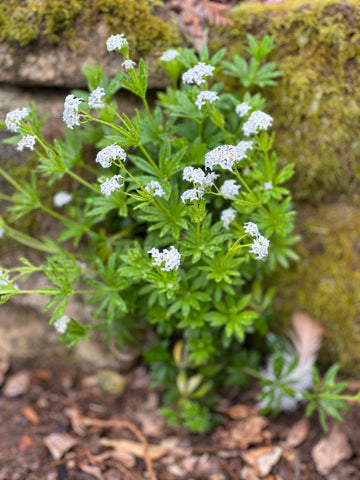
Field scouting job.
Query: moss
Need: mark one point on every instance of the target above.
(326, 281)
(316, 104)
(56, 21)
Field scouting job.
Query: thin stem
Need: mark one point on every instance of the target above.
(149, 159)
(64, 219)
(146, 105)
(81, 180)
(28, 241)
(13, 182)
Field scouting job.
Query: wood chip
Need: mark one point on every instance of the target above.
(240, 412)
(17, 384)
(298, 432)
(331, 450)
(59, 443)
(26, 442)
(246, 432)
(155, 451)
(31, 415)
(262, 459)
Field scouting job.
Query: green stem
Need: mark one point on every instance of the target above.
(28, 241)
(13, 182)
(64, 219)
(149, 159)
(146, 105)
(81, 180)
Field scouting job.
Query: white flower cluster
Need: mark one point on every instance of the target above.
(169, 55)
(110, 153)
(155, 189)
(116, 42)
(242, 109)
(227, 216)
(71, 111)
(95, 98)
(170, 258)
(268, 185)
(227, 155)
(128, 64)
(15, 117)
(200, 180)
(261, 244)
(230, 188)
(110, 185)
(28, 141)
(61, 198)
(206, 97)
(196, 74)
(258, 120)
(61, 324)
(2, 231)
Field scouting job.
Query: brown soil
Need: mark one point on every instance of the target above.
(64, 427)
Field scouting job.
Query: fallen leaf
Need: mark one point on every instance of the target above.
(92, 470)
(151, 423)
(262, 459)
(240, 412)
(17, 384)
(137, 449)
(25, 443)
(298, 432)
(329, 451)
(248, 473)
(31, 415)
(59, 443)
(246, 432)
(76, 419)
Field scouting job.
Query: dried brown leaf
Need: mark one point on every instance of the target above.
(262, 459)
(137, 449)
(329, 451)
(298, 432)
(31, 415)
(17, 384)
(59, 443)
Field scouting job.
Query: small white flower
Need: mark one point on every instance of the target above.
(227, 216)
(206, 97)
(195, 74)
(116, 42)
(62, 198)
(251, 228)
(110, 185)
(94, 100)
(170, 258)
(258, 120)
(71, 111)
(192, 194)
(109, 154)
(227, 155)
(2, 231)
(198, 177)
(155, 189)
(128, 64)
(260, 247)
(242, 109)
(15, 117)
(61, 324)
(230, 188)
(28, 141)
(268, 185)
(169, 55)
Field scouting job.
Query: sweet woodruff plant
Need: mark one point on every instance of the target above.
(175, 218)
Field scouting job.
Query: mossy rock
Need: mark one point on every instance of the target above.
(316, 104)
(325, 283)
(46, 42)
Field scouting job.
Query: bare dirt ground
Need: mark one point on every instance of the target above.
(58, 423)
